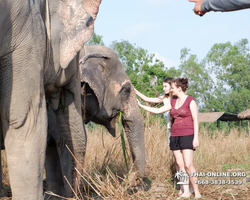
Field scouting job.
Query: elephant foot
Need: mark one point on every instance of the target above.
(137, 183)
(134, 179)
(132, 190)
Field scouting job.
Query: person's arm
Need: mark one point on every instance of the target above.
(194, 112)
(148, 99)
(160, 110)
(203, 6)
(224, 5)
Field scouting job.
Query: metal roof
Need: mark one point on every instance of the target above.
(222, 116)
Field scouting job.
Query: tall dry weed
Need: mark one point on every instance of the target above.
(106, 171)
(218, 150)
(216, 153)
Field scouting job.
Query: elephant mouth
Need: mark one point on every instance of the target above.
(116, 117)
(111, 126)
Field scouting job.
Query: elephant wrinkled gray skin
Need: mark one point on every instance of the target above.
(39, 45)
(107, 91)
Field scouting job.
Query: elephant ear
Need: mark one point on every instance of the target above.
(93, 70)
(77, 19)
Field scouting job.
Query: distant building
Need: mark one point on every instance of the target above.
(219, 116)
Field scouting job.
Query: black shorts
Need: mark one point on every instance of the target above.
(181, 142)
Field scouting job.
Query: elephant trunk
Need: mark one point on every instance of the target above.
(133, 125)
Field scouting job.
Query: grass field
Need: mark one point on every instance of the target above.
(107, 173)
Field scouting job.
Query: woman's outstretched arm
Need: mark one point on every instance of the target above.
(160, 110)
(149, 99)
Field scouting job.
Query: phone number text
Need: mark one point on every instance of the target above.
(219, 182)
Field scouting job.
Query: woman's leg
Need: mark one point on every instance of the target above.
(188, 155)
(191, 189)
(181, 186)
(180, 166)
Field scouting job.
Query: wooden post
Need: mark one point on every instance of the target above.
(218, 124)
(0, 172)
(147, 114)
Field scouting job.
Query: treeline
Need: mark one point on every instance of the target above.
(220, 82)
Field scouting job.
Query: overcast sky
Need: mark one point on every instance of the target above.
(164, 27)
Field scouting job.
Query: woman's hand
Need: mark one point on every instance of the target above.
(195, 143)
(139, 103)
(136, 91)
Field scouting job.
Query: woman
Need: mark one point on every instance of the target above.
(184, 132)
(165, 99)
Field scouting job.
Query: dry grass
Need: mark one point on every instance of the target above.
(107, 174)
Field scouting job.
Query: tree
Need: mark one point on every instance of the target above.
(200, 82)
(96, 39)
(230, 64)
(144, 70)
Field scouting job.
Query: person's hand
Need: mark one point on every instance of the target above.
(139, 103)
(136, 91)
(197, 7)
(195, 143)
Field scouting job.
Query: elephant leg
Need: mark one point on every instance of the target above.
(23, 115)
(25, 143)
(2, 147)
(70, 121)
(54, 178)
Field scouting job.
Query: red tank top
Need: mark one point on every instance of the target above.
(183, 122)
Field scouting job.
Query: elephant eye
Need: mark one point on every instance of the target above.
(125, 91)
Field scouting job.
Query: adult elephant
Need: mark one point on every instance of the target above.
(39, 45)
(106, 91)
